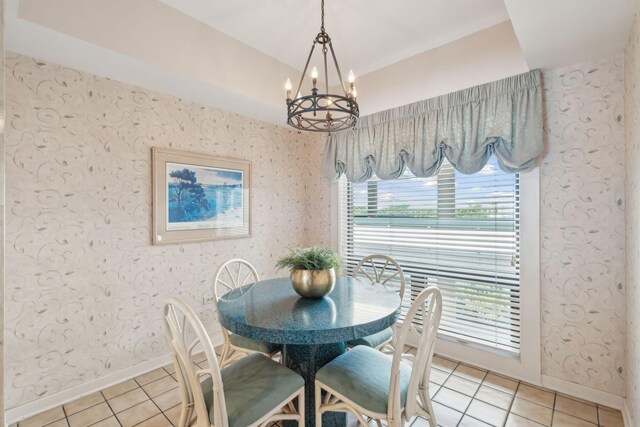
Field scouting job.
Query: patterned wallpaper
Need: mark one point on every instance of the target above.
(582, 226)
(2, 118)
(632, 120)
(84, 286)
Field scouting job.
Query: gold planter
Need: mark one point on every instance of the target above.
(313, 283)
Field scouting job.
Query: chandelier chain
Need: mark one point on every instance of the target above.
(322, 16)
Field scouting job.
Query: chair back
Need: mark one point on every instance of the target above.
(233, 274)
(186, 335)
(427, 311)
(381, 270)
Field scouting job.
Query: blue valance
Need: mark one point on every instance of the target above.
(502, 118)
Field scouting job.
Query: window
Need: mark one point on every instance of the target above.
(458, 232)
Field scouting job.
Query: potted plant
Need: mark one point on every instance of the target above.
(313, 270)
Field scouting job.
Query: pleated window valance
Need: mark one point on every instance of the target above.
(502, 118)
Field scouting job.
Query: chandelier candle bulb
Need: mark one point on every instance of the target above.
(287, 86)
(352, 78)
(314, 77)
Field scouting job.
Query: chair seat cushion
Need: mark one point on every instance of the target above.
(248, 343)
(363, 375)
(253, 386)
(373, 340)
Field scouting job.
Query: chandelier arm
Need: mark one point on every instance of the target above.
(326, 73)
(306, 66)
(335, 61)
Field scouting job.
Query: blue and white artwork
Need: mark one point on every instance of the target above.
(201, 197)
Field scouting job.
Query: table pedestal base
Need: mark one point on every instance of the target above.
(306, 360)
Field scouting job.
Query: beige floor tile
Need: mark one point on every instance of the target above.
(118, 389)
(444, 364)
(59, 423)
(168, 399)
(151, 376)
(109, 422)
(204, 365)
(487, 413)
(462, 385)
(173, 414)
(610, 417)
(560, 419)
(467, 421)
(536, 395)
(433, 389)
(160, 386)
(157, 421)
(533, 411)
(169, 368)
(576, 409)
(83, 403)
(128, 400)
(452, 399)
(517, 421)
(500, 383)
(200, 357)
(445, 417)
(494, 397)
(437, 376)
(138, 414)
(577, 398)
(470, 373)
(43, 418)
(90, 416)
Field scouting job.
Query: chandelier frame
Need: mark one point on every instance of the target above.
(323, 112)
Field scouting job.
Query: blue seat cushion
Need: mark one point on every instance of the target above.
(248, 343)
(253, 386)
(373, 340)
(363, 375)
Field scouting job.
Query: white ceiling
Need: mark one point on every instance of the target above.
(562, 32)
(367, 35)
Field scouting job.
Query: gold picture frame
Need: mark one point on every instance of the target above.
(199, 197)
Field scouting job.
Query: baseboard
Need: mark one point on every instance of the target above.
(626, 414)
(45, 403)
(586, 393)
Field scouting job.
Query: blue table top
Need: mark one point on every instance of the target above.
(270, 310)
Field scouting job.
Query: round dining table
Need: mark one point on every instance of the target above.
(312, 331)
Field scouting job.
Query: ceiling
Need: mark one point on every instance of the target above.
(367, 35)
(561, 32)
(236, 55)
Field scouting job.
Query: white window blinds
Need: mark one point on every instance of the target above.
(458, 232)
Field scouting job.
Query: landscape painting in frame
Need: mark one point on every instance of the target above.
(199, 197)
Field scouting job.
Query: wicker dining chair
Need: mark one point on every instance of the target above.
(231, 275)
(381, 270)
(253, 392)
(370, 383)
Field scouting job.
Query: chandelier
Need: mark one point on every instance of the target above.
(323, 112)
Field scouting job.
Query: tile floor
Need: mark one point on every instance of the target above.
(463, 396)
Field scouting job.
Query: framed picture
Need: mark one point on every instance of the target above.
(199, 197)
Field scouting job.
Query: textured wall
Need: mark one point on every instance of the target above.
(582, 226)
(84, 286)
(632, 194)
(2, 117)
